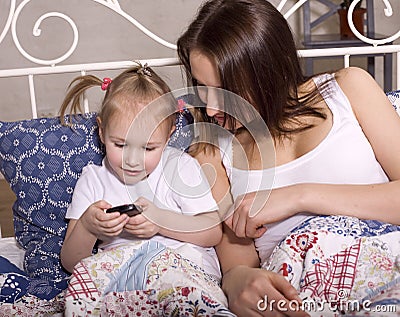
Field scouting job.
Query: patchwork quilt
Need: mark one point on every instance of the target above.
(342, 266)
(149, 280)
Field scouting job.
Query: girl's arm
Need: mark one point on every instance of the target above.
(211, 220)
(83, 233)
(78, 244)
(197, 222)
(202, 229)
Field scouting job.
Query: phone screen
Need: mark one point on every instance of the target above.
(129, 209)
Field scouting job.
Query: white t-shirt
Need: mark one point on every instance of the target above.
(177, 183)
(343, 157)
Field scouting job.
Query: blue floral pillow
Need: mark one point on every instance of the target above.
(394, 98)
(42, 160)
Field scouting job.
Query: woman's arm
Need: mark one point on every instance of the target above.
(381, 125)
(231, 251)
(244, 283)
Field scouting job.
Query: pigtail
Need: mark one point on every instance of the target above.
(74, 97)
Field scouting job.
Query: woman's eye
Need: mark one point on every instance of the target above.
(149, 149)
(202, 93)
(119, 145)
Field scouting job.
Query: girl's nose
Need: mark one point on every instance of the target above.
(131, 158)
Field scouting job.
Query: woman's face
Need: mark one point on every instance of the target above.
(205, 72)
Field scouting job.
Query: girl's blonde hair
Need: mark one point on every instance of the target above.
(137, 85)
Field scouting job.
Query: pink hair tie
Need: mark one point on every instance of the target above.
(106, 82)
(181, 105)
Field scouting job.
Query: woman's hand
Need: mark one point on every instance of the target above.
(258, 292)
(101, 224)
(253, 210)
(139, 225)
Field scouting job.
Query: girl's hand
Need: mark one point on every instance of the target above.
(99, 223)
(253, 210)
(139, 225)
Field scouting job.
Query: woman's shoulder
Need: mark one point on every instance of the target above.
(351, 76)
(176, 157)
(171, 152)
(364, 93)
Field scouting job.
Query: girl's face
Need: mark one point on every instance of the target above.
(205, 72)
(132, 159)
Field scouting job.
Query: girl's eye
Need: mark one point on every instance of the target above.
(119, 145)
(149, 149)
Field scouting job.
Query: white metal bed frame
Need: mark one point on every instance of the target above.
(372, 46)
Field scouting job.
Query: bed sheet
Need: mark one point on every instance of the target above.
(15, 301)
(10, 249)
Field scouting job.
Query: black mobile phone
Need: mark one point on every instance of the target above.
(129, 209)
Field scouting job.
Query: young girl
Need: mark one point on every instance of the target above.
(135, 123)
(334, 136)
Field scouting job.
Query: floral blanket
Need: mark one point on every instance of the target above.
(149, 280)
(342, 266)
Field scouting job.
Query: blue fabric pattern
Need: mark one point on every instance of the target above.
(347, 226)
(42, 160)
(14, 285)
(394, 98)
(183, 135)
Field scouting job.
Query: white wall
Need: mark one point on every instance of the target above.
(108, 37)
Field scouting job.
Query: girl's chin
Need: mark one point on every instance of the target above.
(132, 180)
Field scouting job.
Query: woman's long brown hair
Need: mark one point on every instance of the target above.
(256, 56)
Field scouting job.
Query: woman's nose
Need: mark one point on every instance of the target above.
(214, 102)
(211, 110)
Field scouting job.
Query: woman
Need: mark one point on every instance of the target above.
(333, 135)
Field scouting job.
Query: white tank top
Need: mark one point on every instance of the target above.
(343, 157)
